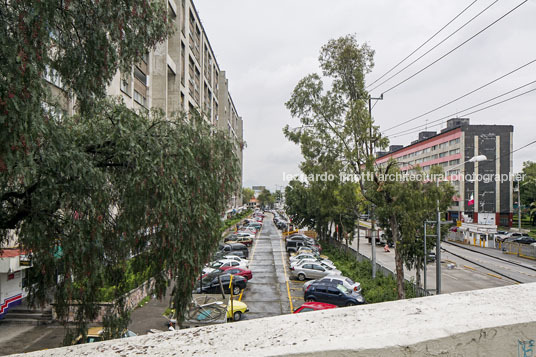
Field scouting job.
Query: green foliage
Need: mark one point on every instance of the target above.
(381, 289)
(247, 194)
(230, 222)
(266, 198)
(85, 193)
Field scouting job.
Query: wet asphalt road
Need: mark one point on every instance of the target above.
(267, 293)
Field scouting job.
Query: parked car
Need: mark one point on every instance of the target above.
(323, 263)
(246, 234)
(302, 256)
(524, 240)
(239, 308)
(313, 306)
(94, 334)
(336, 280)
(240, 271)
(237, 258)
(210, 283)
(332, 294)
(221, 254)
(232, 248)
(222, 263)
(510, 236)
(311, 271)
(247, 241)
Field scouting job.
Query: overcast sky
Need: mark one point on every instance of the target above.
(266, 47)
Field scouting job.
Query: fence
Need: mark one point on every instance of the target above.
(521, 250)
(419, 292)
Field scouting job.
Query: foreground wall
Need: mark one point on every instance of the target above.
(491, 322)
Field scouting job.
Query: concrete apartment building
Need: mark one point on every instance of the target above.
(451, 148)
(182, 74)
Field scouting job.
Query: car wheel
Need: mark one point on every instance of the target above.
(236, 290)
(237, 316)
(349, 303)
(310, 300)
(301, 277)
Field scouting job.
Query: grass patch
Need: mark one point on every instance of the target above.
(381, 289)
(144, 301)
(235, 219)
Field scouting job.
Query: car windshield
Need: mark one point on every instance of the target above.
(349, 281)
(217, 264)
(343, 289)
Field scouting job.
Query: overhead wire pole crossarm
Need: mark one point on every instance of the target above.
(422, 45)
(455, 48)
(462, 96)
(434, 47)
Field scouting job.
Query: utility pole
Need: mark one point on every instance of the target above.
(373, 241)
(438, 247)
(373, 225)
(519, 205)
(425, 257)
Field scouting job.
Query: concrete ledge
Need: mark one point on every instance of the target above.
(490, 322)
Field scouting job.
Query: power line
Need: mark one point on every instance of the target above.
(412, 130)
(462, 96)
(424, 43)
(455, 48)
(437, 45)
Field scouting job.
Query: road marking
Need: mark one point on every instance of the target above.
(495, 276)
(450, 276)
(297, 297)
(253, 251)
(285, 271)
(468, 267)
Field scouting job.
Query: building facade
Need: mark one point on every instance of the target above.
(484, 189)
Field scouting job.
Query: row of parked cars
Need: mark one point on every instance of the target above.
(325, 287)
(514, 237)
(231, 262)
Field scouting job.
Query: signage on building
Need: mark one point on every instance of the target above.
(486, 218)
(25, 260)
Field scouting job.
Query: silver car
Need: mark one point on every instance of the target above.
(337, 280)
(323, 263)
(311, 270)
(302, 256)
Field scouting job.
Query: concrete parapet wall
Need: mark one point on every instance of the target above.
(490, 322)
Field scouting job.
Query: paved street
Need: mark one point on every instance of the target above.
(267, 294)
(465, 275)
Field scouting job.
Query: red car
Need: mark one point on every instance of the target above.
(246, 273)
(314, 306)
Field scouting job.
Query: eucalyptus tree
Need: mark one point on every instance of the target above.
(106, 190)
(336, 121)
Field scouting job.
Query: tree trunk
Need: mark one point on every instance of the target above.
(398, 259)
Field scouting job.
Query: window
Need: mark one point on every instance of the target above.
(434, 147)
(140, 99)
(145, 58)
(125, 86)
(454, 152)
(443, 154)
(307, 266)
(142, 77)
(333, 291)
(454, 162)
(443, 145)
(454, 141)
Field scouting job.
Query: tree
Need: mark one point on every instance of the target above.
(89, 192)
(247, 194)
(336, 123)
(265, 198)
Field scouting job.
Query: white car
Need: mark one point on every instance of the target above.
(246, 234)
(302, 256)
(337, 280)
(237, 258)
(215, 265)
(321, 262)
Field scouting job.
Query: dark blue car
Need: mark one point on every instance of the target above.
(332, 294)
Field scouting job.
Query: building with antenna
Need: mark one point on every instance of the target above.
(484, 189)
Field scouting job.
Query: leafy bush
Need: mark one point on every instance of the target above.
(381, 289)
